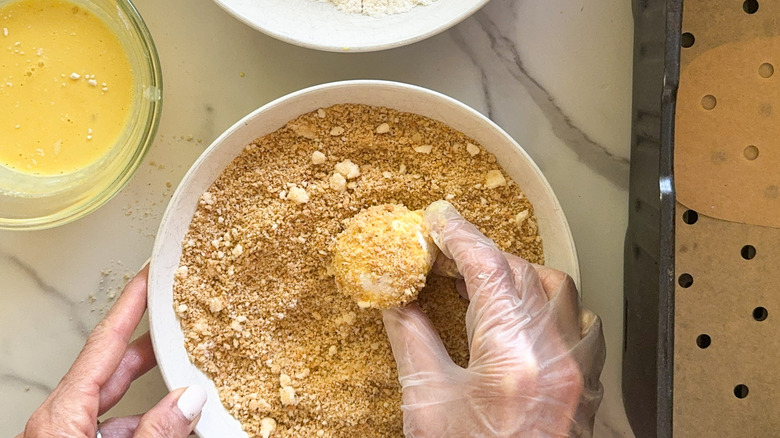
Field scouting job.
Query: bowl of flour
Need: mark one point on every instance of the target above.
(351, 25)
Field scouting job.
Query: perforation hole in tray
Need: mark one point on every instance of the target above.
(687, 40)
(685, 280)
(750, 6)
(690, 217)
(741, 391)
(750, 152)
(748, 252)
(760, 314)
(709, 102)
(766, 70)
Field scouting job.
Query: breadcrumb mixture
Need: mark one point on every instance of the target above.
(289, 354)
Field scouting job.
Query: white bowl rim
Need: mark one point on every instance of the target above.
(154, 272)
(317, 43)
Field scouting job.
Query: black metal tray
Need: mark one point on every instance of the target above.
(648, 315)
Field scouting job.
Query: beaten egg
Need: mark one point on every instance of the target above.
(66, 87)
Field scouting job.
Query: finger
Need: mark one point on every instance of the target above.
(106, 345)
(591, 352)
(592, 346)
(590, 355)
(137, 360)
(418, 350)
(460, 286)
(535, 297)
(530, 288)
(564, 303)
(445, 267)
(120, 427)
(550, 278)
(482, 264)
(175, 416)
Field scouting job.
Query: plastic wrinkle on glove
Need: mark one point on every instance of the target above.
(535, 355)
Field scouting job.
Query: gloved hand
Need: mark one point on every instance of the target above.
(536, 356)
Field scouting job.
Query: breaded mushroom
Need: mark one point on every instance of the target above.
(382, 258)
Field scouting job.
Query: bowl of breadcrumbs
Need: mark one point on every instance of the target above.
(242, 299)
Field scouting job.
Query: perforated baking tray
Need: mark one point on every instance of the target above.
(702, 256)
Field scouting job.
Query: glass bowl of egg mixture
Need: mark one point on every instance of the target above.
(81, 90)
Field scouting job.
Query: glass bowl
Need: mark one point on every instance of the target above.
(29, 202)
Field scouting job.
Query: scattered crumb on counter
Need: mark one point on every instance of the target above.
(112, 281)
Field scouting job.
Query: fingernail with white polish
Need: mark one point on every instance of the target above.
(191, 402)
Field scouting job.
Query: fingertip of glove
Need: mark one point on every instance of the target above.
(389, 313)
(399, 312)
(404, 319)
(588, 321)
(437, 216)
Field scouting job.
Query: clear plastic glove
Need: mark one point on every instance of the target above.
(536, 356)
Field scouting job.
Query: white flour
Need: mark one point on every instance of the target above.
(377, 8)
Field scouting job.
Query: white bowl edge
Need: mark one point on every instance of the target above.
(319, 25)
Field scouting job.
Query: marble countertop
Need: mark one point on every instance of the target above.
(555, 74)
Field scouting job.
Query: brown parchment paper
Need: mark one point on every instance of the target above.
(716, 169)
(735, 194)
(720, 303)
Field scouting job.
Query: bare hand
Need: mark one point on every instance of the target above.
(101, 375)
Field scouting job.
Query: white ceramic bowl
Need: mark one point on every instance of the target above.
(319, 25)
(167, 336)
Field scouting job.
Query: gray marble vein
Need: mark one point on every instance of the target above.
(32, 384)
(594, 155)
(50, 290)
(457, 37)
